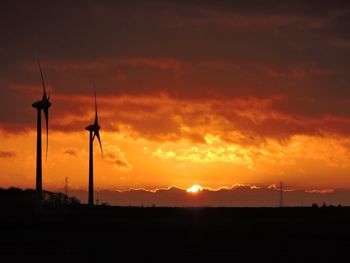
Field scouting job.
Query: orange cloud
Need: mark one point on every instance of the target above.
(72, 152)
(114, 155)
(7, 154)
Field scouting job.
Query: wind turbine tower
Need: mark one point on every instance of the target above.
(41, 105)
(93, 132)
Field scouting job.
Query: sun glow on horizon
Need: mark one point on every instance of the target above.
(194, 189)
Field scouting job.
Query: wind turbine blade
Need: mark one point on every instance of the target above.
(96, 118)
(97, 134)
(46, 112)
(42, 80)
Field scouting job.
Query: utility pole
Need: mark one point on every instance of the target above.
(281, 195)
(66, 187)
(97, 200)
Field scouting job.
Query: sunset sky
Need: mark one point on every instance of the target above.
(209, 93)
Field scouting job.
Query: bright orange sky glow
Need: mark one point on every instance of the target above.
(212, 96)
(209, 153)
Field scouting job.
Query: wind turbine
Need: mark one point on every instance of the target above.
(41, 105)
(94, 132)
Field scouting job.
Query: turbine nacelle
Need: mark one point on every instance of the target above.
(38, 105)
(41, 104)
(93, 128)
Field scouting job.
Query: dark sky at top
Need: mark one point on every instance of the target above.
(295, 51)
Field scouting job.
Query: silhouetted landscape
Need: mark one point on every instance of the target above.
(69, 231)
(15, 198)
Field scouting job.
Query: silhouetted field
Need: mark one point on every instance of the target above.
(125, 234)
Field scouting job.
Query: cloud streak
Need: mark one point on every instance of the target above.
(7, 154)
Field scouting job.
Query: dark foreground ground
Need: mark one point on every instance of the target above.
(117, 234)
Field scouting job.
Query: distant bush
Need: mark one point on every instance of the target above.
(58, 199)
(15, 197)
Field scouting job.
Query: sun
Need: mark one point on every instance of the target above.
(194, 189)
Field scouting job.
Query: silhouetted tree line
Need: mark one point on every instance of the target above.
(15, 197)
